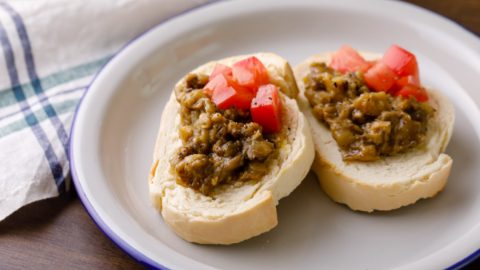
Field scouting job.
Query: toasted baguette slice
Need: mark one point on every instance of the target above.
(237, 212)
(391, 182)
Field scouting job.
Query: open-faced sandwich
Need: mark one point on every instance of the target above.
(379, 134)
(232, 142)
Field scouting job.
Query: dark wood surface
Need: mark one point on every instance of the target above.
(58, 233)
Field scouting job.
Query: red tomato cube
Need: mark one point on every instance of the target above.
(221, 69)
(227, 97)
(214, 83)
(225, 93)
(401, 61)
(250, 73)
(417, 92)
(410, 79)
(403, 81)
(380, 77)
(266, 108)
(346, 59)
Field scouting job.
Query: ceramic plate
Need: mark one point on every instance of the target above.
(115, 130)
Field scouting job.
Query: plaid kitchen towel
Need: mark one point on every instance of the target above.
(50, 50)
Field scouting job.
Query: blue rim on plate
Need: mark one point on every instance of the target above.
(117, 240)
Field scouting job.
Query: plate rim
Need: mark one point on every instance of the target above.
(90, 209)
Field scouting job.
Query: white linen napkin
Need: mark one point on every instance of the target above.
(50, 51)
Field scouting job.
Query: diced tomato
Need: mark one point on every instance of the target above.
(225, 93)
(251, 73)
(380, 77)
(221, 80)
(346, 59)
(214, 83)
(410, 79)
(228, 96)
(221, 69)
(417, 92)
(403, 81)
(401, 61)
(266, 108)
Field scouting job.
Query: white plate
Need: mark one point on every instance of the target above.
(116, 125)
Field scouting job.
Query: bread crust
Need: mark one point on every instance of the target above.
(236, 213)
(391, 182)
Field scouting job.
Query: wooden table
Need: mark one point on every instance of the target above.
(59, 234)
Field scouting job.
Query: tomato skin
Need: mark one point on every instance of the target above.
(220, 69)
(419, 93)
(401, 61)
(266, 108)
(251, 73)
(380, 77)
(346, 59)
(227, 97)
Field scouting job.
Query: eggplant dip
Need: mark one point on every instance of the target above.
(219, 146)
(366, 124)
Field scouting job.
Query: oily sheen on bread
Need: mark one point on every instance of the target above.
(391, 182)
(237, 212)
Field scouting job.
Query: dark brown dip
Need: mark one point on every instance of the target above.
(218, 146)
(365, 124)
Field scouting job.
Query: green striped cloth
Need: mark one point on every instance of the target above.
(50, 51)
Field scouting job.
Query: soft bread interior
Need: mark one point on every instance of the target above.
(236, 212)
(388, 183)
